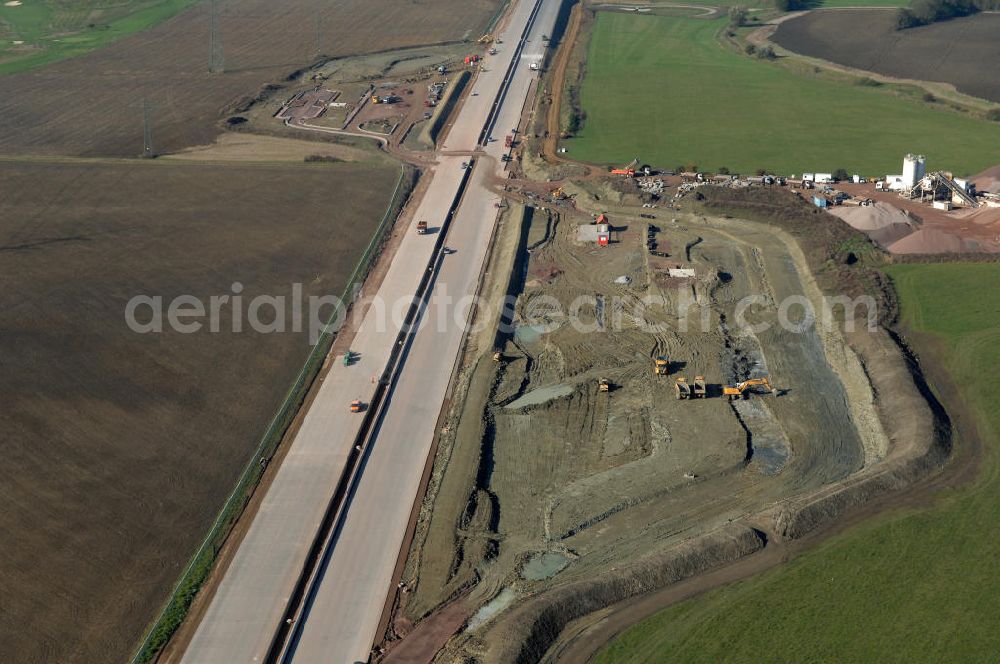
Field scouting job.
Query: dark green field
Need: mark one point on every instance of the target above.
(917, 586)
(664, 89)
(35, 33)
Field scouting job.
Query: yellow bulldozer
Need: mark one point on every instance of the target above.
(661, 366)
(603, 385)
(741, 390)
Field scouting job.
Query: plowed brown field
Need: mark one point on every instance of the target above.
(963, 51)
(120, 448)
(92, 105)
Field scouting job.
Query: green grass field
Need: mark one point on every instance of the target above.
(911, 587)
(52, 30)
(663, 89)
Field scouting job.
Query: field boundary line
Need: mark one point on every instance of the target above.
(199, 566)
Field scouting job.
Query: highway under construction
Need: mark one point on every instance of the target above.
(643, 396)
(310, 579)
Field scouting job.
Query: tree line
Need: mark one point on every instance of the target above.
(925, 12)
(920, 12)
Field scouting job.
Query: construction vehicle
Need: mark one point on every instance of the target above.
(497, 356)
(661, 366)
(682, 388)
(628, 170)
(603, 385)
(559, 194)
(421, 228)
(356, 406)
(700, 387)
(741, 390)
(376, 99)
(485, 39)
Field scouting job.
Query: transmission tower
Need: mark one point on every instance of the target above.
(318, 44)
(147, 131)
(216, 64)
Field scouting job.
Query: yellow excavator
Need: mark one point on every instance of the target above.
(740, 390)
(486, 39)
(603, 385)
(661, 366)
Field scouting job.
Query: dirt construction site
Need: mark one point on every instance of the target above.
(548, 487)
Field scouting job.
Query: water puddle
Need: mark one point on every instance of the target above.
(529, 334)
(503, 599)
(544, 565)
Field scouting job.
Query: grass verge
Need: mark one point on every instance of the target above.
(664, 89)
(915, 586)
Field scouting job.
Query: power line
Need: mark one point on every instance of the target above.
(147, 131)
(216, 62)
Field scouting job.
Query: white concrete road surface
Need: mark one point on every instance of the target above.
(341, 618)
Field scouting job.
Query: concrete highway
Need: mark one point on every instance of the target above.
(343, 607)
(343, 612)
